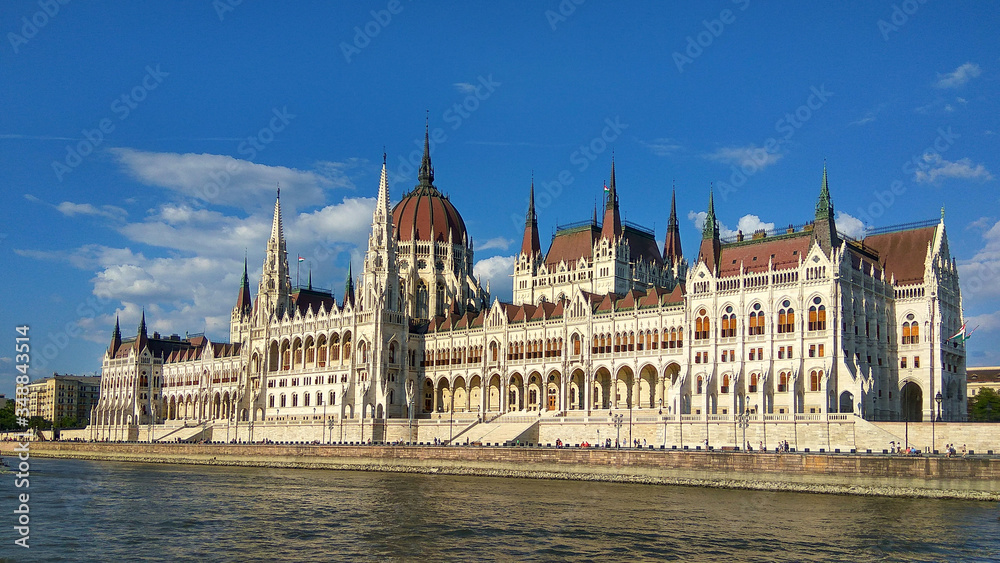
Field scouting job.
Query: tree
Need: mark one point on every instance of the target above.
(7, 419)
(985, 406)
(39, 423)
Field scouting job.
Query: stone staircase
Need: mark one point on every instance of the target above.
(506, 428)
(185, 433)
(869, 436)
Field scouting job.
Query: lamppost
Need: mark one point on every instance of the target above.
(664, 428)
(324, 423)
(618, 420)
(330, 425)
(320, 426)
(744, 420)
(937, 398)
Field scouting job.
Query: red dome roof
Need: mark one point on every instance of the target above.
(432, 215)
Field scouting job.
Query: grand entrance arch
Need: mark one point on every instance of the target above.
(911, 400)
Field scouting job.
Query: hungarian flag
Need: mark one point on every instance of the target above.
(606, 190)
(301, 259)
(960, 333)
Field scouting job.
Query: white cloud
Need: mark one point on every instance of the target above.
(465, 87)
(321, 234)
(750, 156)
(497, 271)
(959, 77)
(748, 224)
(70, 209)
(224, 180)
(663, 146)
(495, 243)
(849, 225)
(980, 275)
(940, 168)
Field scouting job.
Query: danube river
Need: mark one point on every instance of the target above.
(107, 511)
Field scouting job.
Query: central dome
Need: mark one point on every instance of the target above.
(425, 214)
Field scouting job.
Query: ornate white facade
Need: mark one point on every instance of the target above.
(806, 320)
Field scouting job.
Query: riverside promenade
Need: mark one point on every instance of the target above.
(936, 476)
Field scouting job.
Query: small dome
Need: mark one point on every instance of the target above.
(429, 214)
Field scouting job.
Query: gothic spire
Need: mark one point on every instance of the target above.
(243, 302)
(612, 226)
(349, 286)
(672, 244)
(142, 324)
(426, 174)
(530, 244)
(824, 207)
(711, 229)
(116, 338)
(825, 228)
(310, 278)
(711, 245)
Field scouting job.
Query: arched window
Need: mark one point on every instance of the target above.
(699, 385)
(755, 322)
(576, 344)
(753, 383)
(701, 325)
(783, 382)
(422, 300)
(270, 401)
(786, 318)
(725, 384)
(817, 315)
(305, 399)
(282, 402)
(319, 398)
(815, 379)
(439, 308)
(728, 328)
(392, 352)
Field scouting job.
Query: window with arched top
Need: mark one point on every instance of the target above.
(727, 328)
(786, 317)
(754, 378)
(911, 332)
(783, 381)
(815, 379)
(701, 325)
(817, 315)
(699, 385)
(755, 320)
(725, 384)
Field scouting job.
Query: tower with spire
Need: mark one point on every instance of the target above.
(275, 283)
(530, 258)
(824, 228)
(711, 244)
(239, 320)
(381, 274)
(673, 256)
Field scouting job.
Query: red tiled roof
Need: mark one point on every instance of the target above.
(642, 246)
(571, 245)
(903, 252)
(783, 251)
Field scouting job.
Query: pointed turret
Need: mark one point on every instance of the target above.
(426, 174)
(825, 229)
(141, 339)
(530, 245)
(349, 286)
(142, 324)
(116, 339)
(310, 279)
(612, 226)
(711, 244)
(243, 302)
(672, 243)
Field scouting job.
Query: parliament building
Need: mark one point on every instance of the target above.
(803, 324)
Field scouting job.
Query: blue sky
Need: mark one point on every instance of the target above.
(140, 143)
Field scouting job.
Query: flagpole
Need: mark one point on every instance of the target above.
(297, 262)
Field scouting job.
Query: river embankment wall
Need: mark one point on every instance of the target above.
(975, 478)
